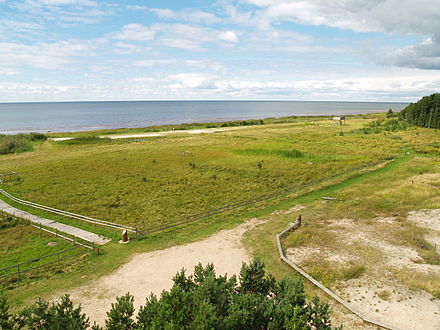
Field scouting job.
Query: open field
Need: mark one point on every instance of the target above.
(155, 180)
(152, 180)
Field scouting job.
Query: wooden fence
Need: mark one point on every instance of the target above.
(296, 225)
(69, 214)
(49, 259)
(229, 207)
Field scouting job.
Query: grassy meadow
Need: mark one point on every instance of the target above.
(161, 179)
(20, 242)
(148, 181)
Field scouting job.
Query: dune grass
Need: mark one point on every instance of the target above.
(155, 181)
(142, 183)
(406, 184)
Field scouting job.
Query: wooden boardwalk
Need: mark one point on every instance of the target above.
(60, 227)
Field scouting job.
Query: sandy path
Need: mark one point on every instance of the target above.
(153, 271)
(155, 134)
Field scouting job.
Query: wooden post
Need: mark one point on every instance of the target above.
(124, 238)
(298, 219)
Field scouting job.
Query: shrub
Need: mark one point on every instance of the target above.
(200, 301)
(11, 143)
(19, 142)
(381, 125)
(37, 136)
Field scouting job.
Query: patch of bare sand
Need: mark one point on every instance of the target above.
(292, 209)
(304, 254)
(392, 303)
(429, 219)
(152, 272)
(426, 218)
(376, 293)
(155, 134)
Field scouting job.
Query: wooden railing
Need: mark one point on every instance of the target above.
(20, 268)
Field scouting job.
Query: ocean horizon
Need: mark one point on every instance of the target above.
(95, 115)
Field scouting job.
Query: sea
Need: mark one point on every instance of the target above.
(85, 116)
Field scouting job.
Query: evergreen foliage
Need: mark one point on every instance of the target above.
(424, 113)
(200, 301)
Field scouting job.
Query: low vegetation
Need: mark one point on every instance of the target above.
(158, 180)
(19, 241)
(200, 301)
(148, 182)
(19, 142)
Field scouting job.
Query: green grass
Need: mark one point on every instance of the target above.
(156, 180)
(393, 190)
(86, 140)
(151, 182)
(21, 242)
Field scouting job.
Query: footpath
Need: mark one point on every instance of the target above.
(59, 227)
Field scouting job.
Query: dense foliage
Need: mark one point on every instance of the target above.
(382, 125)
(200, 301)
(424, 113)
(18, 143)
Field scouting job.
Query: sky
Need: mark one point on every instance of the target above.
(317, 50)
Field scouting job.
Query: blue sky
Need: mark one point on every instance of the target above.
(67, 50)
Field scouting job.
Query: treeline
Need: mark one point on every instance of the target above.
(424, 113)
(201, 301)
(19, 142)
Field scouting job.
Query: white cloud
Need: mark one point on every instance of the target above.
(424, 55)
(8, 71)
(400, 16)
(184, 36)
(125, 48)
(62, 11)
(42, 55)
(65, 2)
(389, 16)
(228, 36)
(134, 32)
(192, 81)
(150, 63)
(186, 15)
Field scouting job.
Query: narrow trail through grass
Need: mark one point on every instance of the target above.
(261, 241)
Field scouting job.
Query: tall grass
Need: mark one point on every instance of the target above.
(19, 142)
(293, 153)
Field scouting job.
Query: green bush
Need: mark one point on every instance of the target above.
(381, 125)
(255, 300)
(37, 136)
(19, 142)
(10, 144)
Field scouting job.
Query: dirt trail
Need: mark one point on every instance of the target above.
(153, 271)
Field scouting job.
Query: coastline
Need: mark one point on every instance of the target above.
(97, 116)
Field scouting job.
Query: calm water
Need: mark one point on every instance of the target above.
(81, 116)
